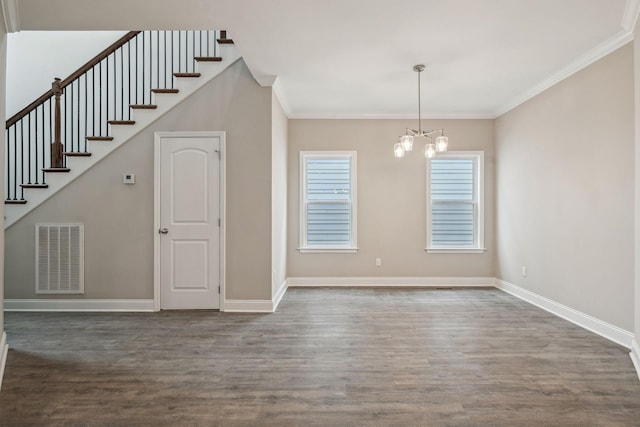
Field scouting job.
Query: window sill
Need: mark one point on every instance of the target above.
(328, 250)
(455, 250)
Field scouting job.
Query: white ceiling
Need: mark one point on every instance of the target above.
(354, 58)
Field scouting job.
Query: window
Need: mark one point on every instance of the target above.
(328, 201)
(455, 217)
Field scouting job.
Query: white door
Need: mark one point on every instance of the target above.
(189, 220)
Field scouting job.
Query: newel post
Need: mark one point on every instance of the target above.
(56, 145)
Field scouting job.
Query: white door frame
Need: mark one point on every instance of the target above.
(156, 200)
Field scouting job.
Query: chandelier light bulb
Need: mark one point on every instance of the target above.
(398, 150)
(407, 142)
(430, 150)
(441, 143)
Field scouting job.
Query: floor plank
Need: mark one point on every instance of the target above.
(328, 357)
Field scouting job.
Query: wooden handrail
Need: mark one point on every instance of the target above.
(80, 71)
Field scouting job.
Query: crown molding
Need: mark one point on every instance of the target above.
(630, 16)
(274, 83)
(11, 15)
(265, 81)
(582, 62)
(325, 116)
(279, 93)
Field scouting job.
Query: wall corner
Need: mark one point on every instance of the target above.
(636, 54)
(3, 84)
(635, 355)
(11, 15)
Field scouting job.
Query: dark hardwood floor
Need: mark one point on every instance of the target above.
(328, 357)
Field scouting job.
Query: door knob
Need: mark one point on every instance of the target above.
(163, 231)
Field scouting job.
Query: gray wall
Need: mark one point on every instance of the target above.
(3, 84)
(119, 218)
(565, 191)
(636, 44)
(391, 200)
(279, 195)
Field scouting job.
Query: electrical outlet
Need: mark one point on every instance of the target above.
(378, 262)
(524, 271)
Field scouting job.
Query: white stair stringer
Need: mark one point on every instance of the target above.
(121, 134)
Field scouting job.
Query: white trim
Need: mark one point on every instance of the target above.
(635, 355)
(380, 116)
(595, 54)
(4, 351)
(478, 202)
(590, 323)
(156, 222)
(328, 250)
(352, 247)
(279, 93)
(455, 251)
(274, 83)
(630, 16)
(157, 197)
(136, 305)
(258, 305)
(267, 80)
(248, 306)
(223, 220)
(390, 282)
(11, 18)
(279, 295)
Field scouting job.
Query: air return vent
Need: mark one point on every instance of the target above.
(59, 258)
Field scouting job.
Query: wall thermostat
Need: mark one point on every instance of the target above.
(129, 178)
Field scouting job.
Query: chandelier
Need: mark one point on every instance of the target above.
(432, 146)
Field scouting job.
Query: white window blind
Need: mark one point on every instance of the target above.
(328, 200)
(454, 201)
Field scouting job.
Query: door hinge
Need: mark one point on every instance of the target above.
(219, 222)
(218, 289)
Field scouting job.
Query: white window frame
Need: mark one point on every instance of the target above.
(352, 246)
(478, 238)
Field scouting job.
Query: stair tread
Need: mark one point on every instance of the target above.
(15, 202)
(99, 138)
(186, 74)
(121, 122)
(56, 170)
(143, 106)
(77, 154)
(164, 90)
(34, 185)
(208, 58)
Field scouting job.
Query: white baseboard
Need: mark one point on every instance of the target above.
(635, 355)
(78, 305)
(590, 323)
(248, 306)
(279, 294)
(390, 282)
(4, 351)
(256, 305)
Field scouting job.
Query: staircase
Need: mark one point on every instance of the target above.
(101, 106)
